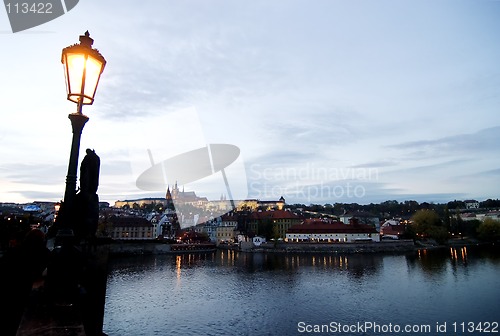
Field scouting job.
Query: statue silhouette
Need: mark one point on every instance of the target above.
(87, 199)
(89, 172)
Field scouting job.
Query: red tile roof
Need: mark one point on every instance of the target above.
(392, 230)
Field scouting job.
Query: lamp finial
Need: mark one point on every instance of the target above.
(86, 40)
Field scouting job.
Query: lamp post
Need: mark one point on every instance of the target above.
(83, 66)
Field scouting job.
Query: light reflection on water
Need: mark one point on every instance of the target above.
(233, 293)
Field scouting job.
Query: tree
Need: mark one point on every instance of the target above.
(469, 228)
(490, 203)
(456, 224)
(391, 207)
(159, 207)
(409, 232)
(428, 224)
(425, 219)
(104, 227)
(329, 208)
(456, 204)
(265, 228)
(489, 230)
(447, 220)
(439, 234)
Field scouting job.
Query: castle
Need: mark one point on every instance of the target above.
(177, 197)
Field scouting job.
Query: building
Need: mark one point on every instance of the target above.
(223, 205)
(131, 228)
(178, 197)
(468, 216)
(328, 231)
(392, 229)
(155, 218)
(210, 227)
(279, 220)
(493, 215)
(254, 205)
(137, 203)
(363, 217)
(471, 204)
(225, 232)
(257, 240)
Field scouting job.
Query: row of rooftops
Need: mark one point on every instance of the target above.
(306, 225)
(329, 226)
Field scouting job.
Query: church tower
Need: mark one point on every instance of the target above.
(169, 195)
(170, 201)
(175, 191)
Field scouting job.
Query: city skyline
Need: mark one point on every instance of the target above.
(326, 101)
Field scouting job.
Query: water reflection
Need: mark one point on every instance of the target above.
(432, 262)
(356, 266)
(435, 263)
(458, 255)
(234, 293)
(178, 263)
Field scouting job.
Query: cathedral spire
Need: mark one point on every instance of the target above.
(169, 195)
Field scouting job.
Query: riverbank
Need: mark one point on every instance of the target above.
(126, 248)
(452, 243)
(387, 246)
(334, 248)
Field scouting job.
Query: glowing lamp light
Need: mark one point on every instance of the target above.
(83, 67)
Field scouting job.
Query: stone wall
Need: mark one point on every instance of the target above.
(133, 248)
(383, 246)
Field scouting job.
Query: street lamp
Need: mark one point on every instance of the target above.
(83, 67)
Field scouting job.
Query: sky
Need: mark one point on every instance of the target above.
(328, 101)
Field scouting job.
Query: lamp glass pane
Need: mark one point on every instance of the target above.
(93, 72)
(75, 65)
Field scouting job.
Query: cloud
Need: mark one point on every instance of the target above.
(116, 167)
(188, 58)
(480, 178)
(491, 172)
(320, 126)
(281, 158)
(343, 191)
(429, 197)
(426, 169)
(483, 141)
(376, 164)
(41, 174)
(40, 195)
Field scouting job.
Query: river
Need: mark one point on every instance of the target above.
(425, 292)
